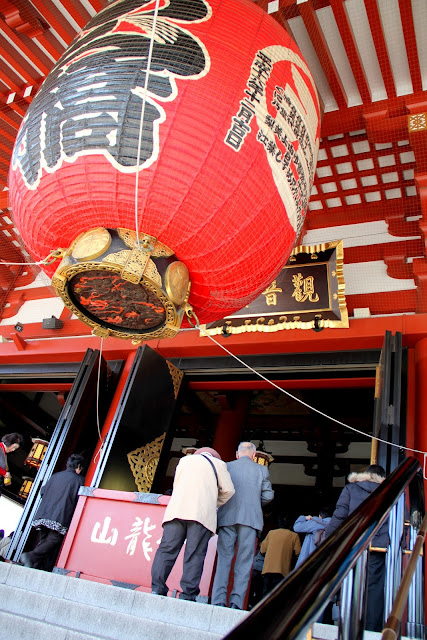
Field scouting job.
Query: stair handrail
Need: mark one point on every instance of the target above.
(394, 621)
(297, 602)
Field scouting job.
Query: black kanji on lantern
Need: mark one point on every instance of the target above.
(91, 102)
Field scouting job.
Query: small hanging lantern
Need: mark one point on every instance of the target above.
(262, 456)
(25, 489)
(36, 455)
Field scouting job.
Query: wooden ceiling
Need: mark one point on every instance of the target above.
(369, 61)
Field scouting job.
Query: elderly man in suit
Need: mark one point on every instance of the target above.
(240, 520)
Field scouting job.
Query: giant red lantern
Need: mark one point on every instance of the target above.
(195, 122)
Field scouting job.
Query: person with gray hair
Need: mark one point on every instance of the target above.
(240, 521)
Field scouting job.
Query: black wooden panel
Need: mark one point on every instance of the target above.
(76, 417)
(145, 412)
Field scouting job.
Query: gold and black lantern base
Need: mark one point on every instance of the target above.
(124, 286)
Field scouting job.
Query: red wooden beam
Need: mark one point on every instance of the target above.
(320, 383)
(55, 19)
(4, 199)
(15, 106)
(44, 386)
(380, 46)
(19, 341)
(384, 302)
(7, 79)
(52, 45)
(319, 43)
(77, 12)
(23, 49)
(98, 4)
(30, 75)
(351, 49)
(12, 123)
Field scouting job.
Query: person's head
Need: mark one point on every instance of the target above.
(377, 470)
(213, 453)
(12, 441)
(75, 463)
(324, 512)
(246, 449)
(282, 522)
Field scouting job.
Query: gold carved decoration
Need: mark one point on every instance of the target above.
(177, 376)
(91, 244)
(129, 237)
(104, 250)
(135, 265)
(417, 122)
(177, 281)
(143, 463)
(120, 257)
(152, 273)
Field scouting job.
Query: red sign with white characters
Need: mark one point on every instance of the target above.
(113, 537)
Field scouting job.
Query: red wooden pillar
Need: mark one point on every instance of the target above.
(230, 425)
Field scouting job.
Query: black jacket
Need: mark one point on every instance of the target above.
(360, 486)
(59, 497)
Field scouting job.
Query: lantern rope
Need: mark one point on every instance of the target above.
(141, 122)
(191, 314)
(50, 258)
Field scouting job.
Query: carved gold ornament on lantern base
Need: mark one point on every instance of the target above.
(124, 286)
(143, 463)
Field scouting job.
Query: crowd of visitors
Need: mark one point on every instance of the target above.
(225, 498)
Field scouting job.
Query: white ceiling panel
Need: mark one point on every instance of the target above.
(302, 39)
(336, 47)
(419, 9)
(393, 32)
(362, 33)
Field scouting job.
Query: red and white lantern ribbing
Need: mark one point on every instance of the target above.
(195, 123)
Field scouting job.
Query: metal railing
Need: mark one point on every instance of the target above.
(297, 602)
(394, 622)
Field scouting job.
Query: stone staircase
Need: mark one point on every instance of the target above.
(35, 605)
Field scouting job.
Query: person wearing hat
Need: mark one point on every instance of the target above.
(201, 484)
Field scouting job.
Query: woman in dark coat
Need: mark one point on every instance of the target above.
(360, 487)
(53, 517)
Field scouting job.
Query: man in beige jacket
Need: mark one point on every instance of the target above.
(201, 484)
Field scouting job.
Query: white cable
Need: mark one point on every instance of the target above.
(392, 444)
(141, 122)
